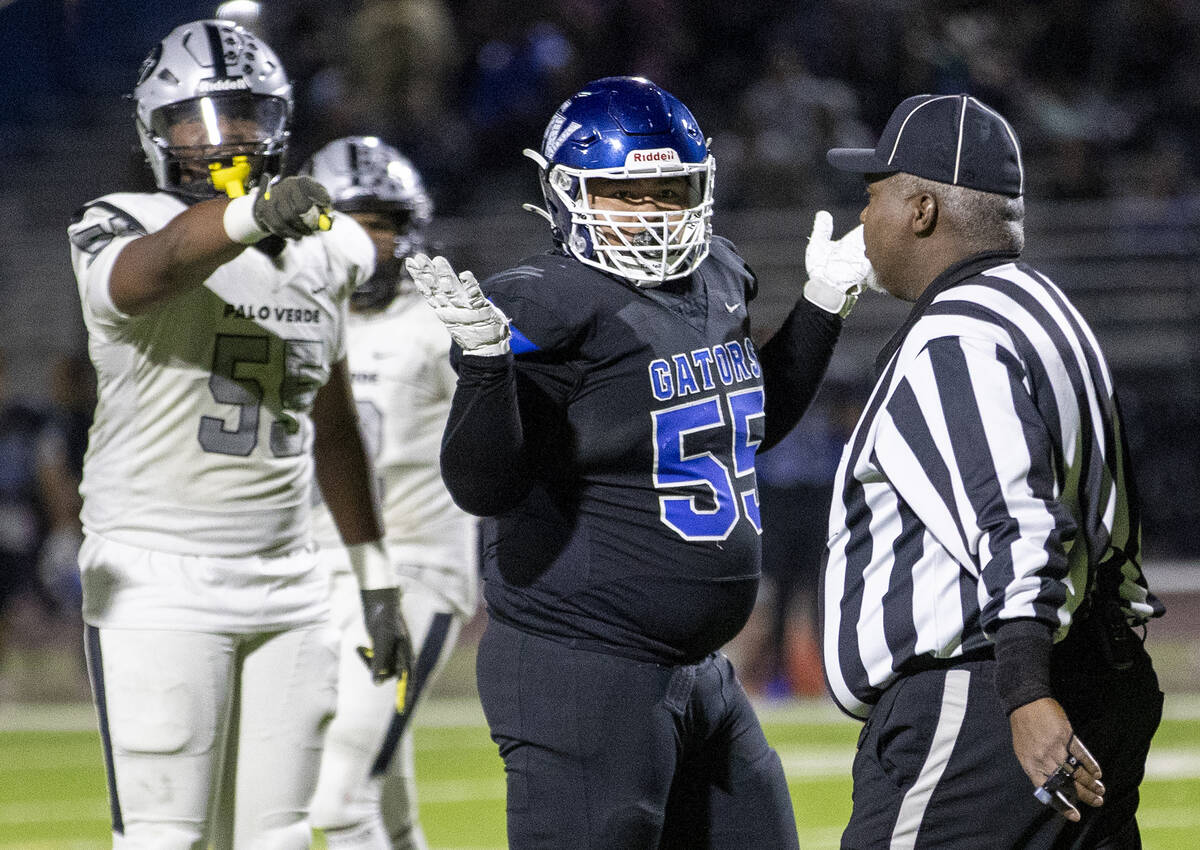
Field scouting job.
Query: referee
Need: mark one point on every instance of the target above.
(983, 573)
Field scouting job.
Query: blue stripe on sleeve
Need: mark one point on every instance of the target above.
(520, 343)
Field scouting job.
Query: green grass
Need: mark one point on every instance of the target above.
(52, 793)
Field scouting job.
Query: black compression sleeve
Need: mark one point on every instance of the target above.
(1023, 662)
(793, 363)
(482, 458)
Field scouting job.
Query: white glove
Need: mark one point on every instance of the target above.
(838, 269)
(476, 324)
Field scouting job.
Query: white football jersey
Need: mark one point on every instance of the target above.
(202, 437)
(403, 384)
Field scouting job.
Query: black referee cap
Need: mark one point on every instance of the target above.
(950, 138)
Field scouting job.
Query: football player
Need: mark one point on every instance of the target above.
(398, 353)
(216, 325)
(609, 405)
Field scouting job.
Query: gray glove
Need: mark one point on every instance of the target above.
(391, 651)
(293, 207)
(476, 324)
(838, 269)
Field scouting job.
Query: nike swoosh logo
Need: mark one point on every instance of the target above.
(731, 307)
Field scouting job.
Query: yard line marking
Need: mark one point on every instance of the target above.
(56, 844)
(821, 838)
(813, 764)
(1159, 818)
(1172, 763)
(458, 712)
(30, 812)
(440, 791)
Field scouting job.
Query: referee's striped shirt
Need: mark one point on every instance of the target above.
(986, 480)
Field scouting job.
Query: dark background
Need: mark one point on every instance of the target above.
(1104, 95)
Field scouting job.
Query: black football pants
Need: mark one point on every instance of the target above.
(605, 753)
(936, 769)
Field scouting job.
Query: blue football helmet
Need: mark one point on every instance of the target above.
(363, 174)
(626, 128)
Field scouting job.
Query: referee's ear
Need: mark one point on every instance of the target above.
(924, 213)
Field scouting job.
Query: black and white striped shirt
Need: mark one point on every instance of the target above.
(985, 481)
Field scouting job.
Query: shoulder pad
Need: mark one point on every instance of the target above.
(98, 223)
(541, 298)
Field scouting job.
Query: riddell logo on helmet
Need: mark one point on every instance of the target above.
(655, 156)
(225, 84)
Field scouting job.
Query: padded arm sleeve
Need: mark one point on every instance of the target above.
(483, 446)
(794, 361)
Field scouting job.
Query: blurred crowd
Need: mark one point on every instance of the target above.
(1103, 91)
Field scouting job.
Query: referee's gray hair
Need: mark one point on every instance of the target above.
(986, 221)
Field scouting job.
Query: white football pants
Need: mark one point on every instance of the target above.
(366, 797)
(212, 737)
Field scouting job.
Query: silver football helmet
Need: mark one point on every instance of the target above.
(211, 90)
(365, 175)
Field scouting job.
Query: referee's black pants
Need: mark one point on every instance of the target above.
(935, 766)
(606, 753)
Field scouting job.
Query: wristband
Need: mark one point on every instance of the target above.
(371, 566)
(239, 222)
(829, 298)
(491, 349)
(1023, 663)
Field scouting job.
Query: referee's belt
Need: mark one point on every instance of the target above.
(923, 663)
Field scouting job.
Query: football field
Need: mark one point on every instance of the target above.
(52, 793)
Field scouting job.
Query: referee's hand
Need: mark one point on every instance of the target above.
(1045, 746)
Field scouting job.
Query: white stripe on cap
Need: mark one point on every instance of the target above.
(962, 117)
(904, 123)
(1012, 137)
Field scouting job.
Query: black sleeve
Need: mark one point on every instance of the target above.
(794, 361)
(483, 447)
(507, 429)
(1023, 662)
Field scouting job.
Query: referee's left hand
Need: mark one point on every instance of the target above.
(1043, 740)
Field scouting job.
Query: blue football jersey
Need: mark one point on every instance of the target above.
(624, 510)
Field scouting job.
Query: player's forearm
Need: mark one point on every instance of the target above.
(342, 467)
(181, 256)
(483, 447)
(344, 475)
(793, 362)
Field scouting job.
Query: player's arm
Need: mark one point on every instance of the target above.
(796, 357)
(344, 474)
(483, 453)
(793, 363)
(158, 266)
(181, 256)
(342, 466)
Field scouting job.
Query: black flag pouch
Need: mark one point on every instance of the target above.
(1116, 640)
